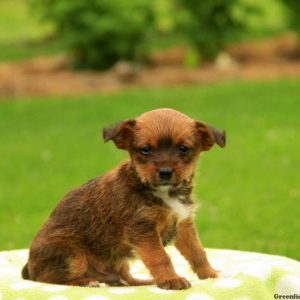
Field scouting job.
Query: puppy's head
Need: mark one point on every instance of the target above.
(164, 145)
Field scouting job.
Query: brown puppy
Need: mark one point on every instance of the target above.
(136, 208)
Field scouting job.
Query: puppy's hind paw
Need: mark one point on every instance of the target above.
(94, 284)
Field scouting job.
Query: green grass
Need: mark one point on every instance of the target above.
(248, 193)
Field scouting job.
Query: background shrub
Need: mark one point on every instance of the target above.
(211, 25)
(293, 7)
(100, 32)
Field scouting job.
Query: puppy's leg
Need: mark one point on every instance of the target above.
(158, 262)
(56, 264)
(147, 244)
(189, 245)
(126, 276)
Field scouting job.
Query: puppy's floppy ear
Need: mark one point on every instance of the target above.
(210, 135)
(120, 133)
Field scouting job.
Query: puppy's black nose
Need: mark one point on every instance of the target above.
(165, 173)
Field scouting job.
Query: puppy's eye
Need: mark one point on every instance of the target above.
(146, 150)
(184, 149)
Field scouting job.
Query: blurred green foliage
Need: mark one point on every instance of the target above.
(293, 7)
(132, 29)
(211, 25)
(270, 18)
(100, 32)
(18, 24)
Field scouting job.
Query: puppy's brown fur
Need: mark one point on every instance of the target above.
(136, 208)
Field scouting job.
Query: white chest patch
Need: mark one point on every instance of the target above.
(182, 211)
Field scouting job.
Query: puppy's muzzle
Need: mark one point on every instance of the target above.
(165, 174)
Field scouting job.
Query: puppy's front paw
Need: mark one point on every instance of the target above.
(175, 283)
(207, 272)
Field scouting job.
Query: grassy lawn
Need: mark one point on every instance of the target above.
(248, 193)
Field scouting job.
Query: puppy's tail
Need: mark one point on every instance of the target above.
(25, 272)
